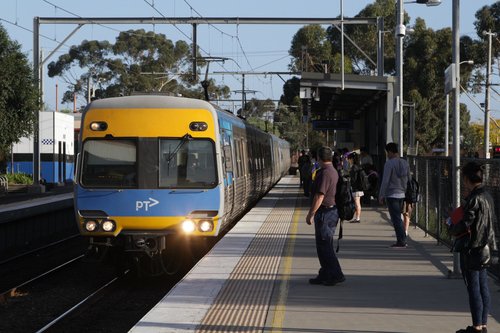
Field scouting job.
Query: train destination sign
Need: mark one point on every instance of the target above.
(337, 124)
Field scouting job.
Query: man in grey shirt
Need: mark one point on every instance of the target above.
(393, 188)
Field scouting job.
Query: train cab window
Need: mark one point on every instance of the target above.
(187, 163)
(109, 163)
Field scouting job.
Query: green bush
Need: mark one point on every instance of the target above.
(19, 178)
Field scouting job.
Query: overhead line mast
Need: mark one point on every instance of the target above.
(194, 21)
(243, 73)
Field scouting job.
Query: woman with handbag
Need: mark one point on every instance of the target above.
(475, 251)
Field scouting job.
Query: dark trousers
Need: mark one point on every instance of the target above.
(325, 222)
(479, 293)
(395, 207)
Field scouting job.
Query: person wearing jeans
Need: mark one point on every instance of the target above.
(394, 206)
(392, 190)
(324, 215)
(325, 223)
(477, 224)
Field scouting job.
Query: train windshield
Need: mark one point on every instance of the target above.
(109, 163)
(187, 163)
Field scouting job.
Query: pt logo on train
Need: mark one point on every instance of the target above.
(146, 204)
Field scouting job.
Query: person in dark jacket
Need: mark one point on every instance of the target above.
(356, 183)
(477, 225)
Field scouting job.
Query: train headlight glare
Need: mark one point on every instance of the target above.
(108, 225)
(98, 126)
(206, 226)
(91, 225)
(188, 226)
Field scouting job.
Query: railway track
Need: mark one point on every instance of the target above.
(80, 306)
(37, 250)
(11, 292)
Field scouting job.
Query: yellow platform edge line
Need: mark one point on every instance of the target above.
(279, 313)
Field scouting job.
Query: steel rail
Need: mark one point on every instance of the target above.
(79, 304)
(38, 249)
(8, 293)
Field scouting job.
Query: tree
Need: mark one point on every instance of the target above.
(365, 37)
(138, 61)
(19, 99)
(488, 18)
(311, 51)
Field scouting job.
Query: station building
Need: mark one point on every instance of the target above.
(57, 146)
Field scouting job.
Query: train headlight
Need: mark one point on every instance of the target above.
(98, 126)
(91, 225)
(206, 226)
(108, 225)
(199, 126)
(188, 226)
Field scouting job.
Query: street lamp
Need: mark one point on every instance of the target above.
(400, 33)
(487, 97)
(428, 3)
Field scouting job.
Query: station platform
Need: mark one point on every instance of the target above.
(256, 279)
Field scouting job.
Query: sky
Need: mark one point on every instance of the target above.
(261, 48)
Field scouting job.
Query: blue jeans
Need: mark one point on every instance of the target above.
(479, 293)
(325, 222)
(395, 206)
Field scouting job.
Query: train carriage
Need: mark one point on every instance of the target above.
(155, 167)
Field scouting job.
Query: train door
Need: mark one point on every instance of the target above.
(242, 174)
(244, 168)
(239, 186)
(227, 170)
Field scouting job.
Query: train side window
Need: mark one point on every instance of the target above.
(228, 160)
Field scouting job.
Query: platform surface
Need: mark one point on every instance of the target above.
(256, 279)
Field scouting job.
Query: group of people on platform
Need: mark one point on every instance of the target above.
(473, 231)
(358, 167)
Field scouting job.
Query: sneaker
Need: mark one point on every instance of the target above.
(355, 221)
(333, 282)
(399, 245)
(316, 280)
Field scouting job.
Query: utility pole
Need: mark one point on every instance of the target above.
(447, 127)
(456, 121)
(487, 98)
(400, 33)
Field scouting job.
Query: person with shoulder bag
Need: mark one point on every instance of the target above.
(476, 226)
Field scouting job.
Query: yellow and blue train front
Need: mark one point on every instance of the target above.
(148, 171)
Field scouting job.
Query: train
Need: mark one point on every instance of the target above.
(154, 172)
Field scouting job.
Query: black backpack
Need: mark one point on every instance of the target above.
(412, 193)
(343, 198)
(344, 202)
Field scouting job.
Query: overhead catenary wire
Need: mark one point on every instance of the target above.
(130, 33)
(190, 38)
(229, 35)
(479, 106)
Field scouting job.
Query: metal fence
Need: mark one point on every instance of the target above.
(435, 176)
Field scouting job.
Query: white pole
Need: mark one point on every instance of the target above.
(456, 120)
(487, 100)
(342, 43)
(400, 33)
(447, 127)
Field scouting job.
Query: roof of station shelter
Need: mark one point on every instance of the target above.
(360, 93)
